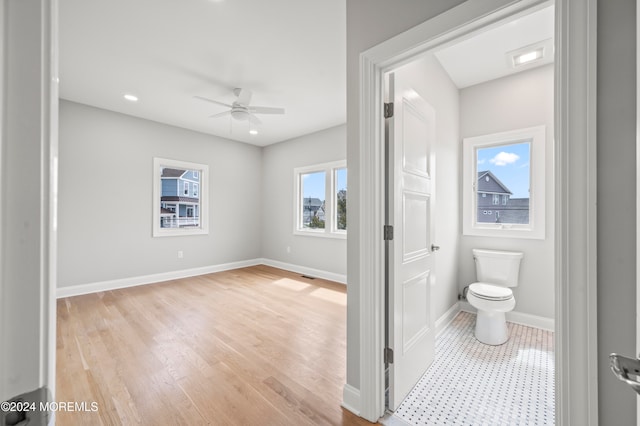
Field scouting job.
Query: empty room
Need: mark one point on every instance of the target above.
(244, 212)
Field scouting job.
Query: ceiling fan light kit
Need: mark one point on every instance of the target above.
(241, 109)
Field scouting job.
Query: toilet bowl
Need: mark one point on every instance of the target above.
(496, 272)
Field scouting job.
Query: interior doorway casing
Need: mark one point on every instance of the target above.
(575, 192)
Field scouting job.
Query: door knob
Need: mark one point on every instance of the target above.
(435, 247)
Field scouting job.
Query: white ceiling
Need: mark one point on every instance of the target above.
(289, 53)
(485, 57)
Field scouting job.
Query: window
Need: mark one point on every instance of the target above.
(321, 200)
(340, 191)
(175, 212)
(510, 167)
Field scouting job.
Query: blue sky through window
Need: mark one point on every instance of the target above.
(313, 185)
(510, 163)
(341, 179)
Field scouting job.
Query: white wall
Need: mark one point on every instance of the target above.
(509, 103)
(105, 202)
(279, 160)
(435, 86)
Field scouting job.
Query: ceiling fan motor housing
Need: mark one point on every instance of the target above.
(240, 113)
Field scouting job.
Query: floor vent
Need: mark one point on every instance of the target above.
(308, 277)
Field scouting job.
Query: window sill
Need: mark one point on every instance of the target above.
(321, 234)
(505, 231)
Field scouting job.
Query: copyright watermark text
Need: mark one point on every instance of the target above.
(49, 406)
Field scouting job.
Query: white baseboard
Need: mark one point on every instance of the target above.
(543, 323)
(77, 290)
(351, 399)
(317, 273)
(447, 317)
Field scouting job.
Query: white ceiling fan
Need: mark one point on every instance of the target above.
(241, 109)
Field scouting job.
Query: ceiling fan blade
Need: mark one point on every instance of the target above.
(266, 110)
(254, 120)
(212, 101)
(221, 114)
(244, 96)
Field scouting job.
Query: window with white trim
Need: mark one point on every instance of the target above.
(504, 184)
(320, 197)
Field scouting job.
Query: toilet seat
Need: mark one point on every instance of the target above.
(490, 292)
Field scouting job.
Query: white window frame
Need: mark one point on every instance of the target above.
(535, 229)
(330, 205)
(203, 170)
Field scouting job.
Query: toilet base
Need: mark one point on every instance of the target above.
(491, 328)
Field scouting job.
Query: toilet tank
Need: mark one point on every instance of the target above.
(497, 267)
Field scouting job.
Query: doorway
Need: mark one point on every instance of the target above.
(573, 262)
(480, 94)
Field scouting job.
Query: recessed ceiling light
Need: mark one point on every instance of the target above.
(253, 132)
(525, 58)
(131, 98)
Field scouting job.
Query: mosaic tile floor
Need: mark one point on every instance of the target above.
(470, 383)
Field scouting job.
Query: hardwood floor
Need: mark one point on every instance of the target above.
(252, 346)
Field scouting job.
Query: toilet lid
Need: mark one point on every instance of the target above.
(490, 291)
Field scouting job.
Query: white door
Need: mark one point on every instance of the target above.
(411, 336)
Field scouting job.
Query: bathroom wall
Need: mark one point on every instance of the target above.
(105, 197)
(518, 101)
(278, 161)
(435, 86)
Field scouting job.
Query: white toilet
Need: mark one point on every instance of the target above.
(496, 272)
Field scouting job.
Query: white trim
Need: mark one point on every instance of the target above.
(446, 318)
(330, 202)
(535, 229)
(312, 272)
(575, 191)
(77, 290)
(351, 399)
(576, 225)
(516, 317)
(203, 229)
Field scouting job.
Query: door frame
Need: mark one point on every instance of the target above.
(575, 194)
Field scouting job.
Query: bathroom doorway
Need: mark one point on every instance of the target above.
(483, 88)
(389, 56)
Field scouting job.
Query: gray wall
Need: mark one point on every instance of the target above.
(510, 103)
(105, 197)
(616, 162)
(434, 85)
(279, 160)
(369, 22)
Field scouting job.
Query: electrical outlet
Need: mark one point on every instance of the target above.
(180, 254)
(288, 249)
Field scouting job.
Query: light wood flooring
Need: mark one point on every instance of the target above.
(252, 346)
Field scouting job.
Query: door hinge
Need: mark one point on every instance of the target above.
(388, 232)
(388, 356)
(388, 109)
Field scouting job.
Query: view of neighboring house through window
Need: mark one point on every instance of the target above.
(179, 209)
(180, 201)
(321, 199)
(504, 184)
(504, 173)
(313, 197)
